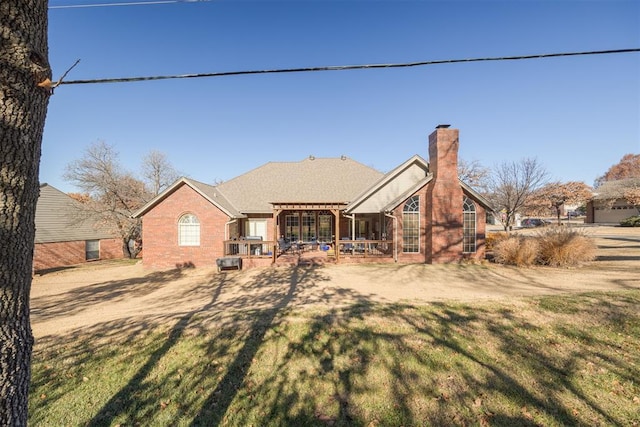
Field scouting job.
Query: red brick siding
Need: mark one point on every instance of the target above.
(111, 249)
(61, 254)
(424, 252)
(445, 197)
(160, 231)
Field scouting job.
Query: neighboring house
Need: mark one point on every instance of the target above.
(419, 212)
(608, 205)
(63, 238)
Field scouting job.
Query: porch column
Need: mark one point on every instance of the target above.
(276, 238)
(336, 251)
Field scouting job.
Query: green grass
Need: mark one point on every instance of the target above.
(567, 360)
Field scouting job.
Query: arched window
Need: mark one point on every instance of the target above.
(468, 225)
(411, 225)
(188, 230)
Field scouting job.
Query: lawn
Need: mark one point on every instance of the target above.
(552, 361)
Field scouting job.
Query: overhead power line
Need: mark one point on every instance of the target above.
(344, 67)
(130, 3)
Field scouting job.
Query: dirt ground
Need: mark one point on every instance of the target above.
(121, 293)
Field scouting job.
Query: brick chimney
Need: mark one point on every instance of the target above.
(444, 204)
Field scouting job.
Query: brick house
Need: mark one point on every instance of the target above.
(420, 212)
(63, 238)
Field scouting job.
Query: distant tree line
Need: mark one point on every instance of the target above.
(523, 187)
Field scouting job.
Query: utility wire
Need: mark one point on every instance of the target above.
(344, 67)
(131, 3)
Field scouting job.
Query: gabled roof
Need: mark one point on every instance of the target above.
(407, 193)
(209, 192)
(399, 184)
(386, 190)
(312, 180)
(59, 218)
(479, 197)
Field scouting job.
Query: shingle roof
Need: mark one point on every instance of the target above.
(59, 218)
(312, 180)
(215, 196)
(207, 191)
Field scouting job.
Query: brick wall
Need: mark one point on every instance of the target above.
(160, 231)
(111, 249)
(61, 254)
(445, 197)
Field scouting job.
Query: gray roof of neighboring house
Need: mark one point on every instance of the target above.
(312, 180)
(59, 219)
(615, 189)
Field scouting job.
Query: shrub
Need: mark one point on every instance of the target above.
(516, 250)
(554, 246)
(633, 221)
(564, 247)
(493, 238)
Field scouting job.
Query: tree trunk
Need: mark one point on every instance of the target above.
(126, 249)
(23, 107)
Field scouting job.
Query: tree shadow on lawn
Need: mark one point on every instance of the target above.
(619, 252)
(439, 365)
(273, 304)
(386, 364)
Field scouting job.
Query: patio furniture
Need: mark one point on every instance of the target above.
(229, 262)
(313, 244)
(283, 245)
(346, 247)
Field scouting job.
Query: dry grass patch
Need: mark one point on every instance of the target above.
(521, 251)
(564, 247)
(553, 246)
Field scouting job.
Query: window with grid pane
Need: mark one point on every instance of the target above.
(411, 225)
(468, 226)
(308, 226)
(292, 227)
(325, 227)
(188, 230)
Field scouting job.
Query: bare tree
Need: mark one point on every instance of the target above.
(553, 196)
(158, 172)
(114, 194)
(474, 174)
(24, 96)
(511, 185)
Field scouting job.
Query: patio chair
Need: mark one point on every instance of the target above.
(283, 245)
(346, 247)
(314, 244)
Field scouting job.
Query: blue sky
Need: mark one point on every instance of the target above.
(578, 115)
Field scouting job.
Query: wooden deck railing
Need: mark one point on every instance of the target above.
(250, 248)
(350, 248)
(366, 248)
